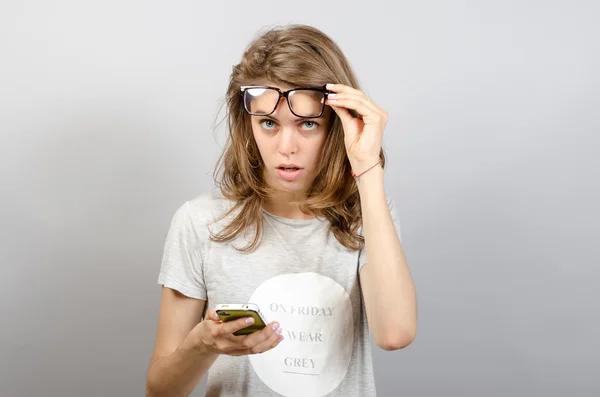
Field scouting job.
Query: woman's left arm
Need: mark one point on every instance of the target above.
(387, 285)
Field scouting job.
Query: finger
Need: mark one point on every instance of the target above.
(212, 315)
(232, 326)
(359, 98)
(342, 88)
(343, 114)
(273, 340)
(257, 338)
(353, 104)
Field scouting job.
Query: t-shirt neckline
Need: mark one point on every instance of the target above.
(291, 221)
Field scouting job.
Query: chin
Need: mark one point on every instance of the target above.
(294, 186)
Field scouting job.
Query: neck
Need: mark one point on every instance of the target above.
(283, 205)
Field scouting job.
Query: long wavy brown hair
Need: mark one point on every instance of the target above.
(297, 56)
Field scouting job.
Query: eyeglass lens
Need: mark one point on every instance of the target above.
(303, 103)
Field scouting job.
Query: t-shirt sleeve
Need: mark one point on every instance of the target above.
(182, 267)
(362, 256)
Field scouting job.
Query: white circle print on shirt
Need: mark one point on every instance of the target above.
(315, 313)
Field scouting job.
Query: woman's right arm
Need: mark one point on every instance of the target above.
(186, 347)
(178, 362)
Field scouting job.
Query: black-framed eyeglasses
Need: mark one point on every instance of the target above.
(260, 100)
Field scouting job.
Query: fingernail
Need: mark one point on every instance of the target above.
(332, 96)
(249, 320)
(330, 85)
(275, 326)
(280, 338)
(279, 331)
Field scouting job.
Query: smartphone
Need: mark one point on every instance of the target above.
(230, 312)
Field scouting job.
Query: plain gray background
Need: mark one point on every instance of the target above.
(107, 115)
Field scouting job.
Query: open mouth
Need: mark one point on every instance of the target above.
(289, 173)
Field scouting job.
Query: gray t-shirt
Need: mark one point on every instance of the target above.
(300, 276)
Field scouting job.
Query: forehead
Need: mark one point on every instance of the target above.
(282, 87)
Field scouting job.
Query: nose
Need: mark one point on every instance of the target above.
(288, 139)
(288, 143)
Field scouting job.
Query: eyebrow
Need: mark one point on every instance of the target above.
(296, 119)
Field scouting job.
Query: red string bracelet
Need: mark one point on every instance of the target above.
(362, 173)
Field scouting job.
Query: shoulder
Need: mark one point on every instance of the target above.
(204, 209)
(208, 205)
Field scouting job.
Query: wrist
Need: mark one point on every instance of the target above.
(371, 179)
(373, 167)
(358, 166)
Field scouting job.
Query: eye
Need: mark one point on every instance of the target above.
(267, 124)
(310, 125)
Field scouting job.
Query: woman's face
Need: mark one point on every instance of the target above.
(284, 139)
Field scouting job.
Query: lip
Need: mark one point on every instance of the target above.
(290, 165)
(289, 176)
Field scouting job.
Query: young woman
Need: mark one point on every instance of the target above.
(299, 226)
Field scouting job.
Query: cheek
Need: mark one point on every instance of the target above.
(316, 151)
(264, 146)
(321, 143)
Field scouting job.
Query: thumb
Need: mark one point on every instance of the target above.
(212, 315)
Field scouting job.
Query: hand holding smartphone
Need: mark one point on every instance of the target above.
(230, 312)
(242, 330)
